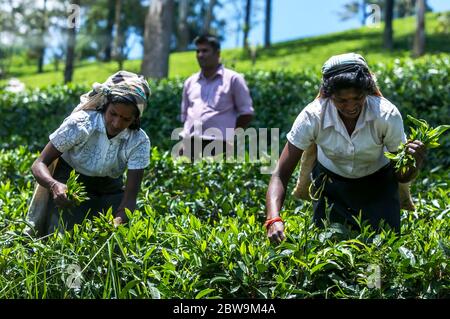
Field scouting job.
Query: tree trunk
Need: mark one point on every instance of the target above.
(209, 16)
(388, 31)
(118, 36)
(158, 30)
(248, 9)
(109, 32)
(419, 39)
(268, 23)
(70, 53)
(41, 49)
(183, 29)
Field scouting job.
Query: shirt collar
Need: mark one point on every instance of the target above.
(100, 126)
(219, 72)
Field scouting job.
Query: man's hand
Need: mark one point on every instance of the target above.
(275, 232)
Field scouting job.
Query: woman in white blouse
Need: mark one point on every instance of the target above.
(100, 140)
(352, 125)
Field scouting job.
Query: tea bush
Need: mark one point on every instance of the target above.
(419, 88)
(198, 234)
(198, 230)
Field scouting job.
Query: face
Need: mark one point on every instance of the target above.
(118, 117)
(349, 102)
(207, 57)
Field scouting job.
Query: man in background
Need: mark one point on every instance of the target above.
(215, 102)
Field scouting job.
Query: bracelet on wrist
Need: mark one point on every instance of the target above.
(51, 185)
(270, 221)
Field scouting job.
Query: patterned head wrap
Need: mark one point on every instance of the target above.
(128, 85)
(348, 62)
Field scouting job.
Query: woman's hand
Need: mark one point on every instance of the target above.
(117, 221)
(275, 232)
(418, 150)
(59, 191)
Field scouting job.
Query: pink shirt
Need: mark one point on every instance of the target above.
(215, 103)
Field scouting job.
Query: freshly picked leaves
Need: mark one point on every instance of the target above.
(76, 191)
(429, 136)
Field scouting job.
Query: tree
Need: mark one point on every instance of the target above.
(401, 8)
(248, 9)
(41, 48)
(183, 37)
(388, 31)
(419, 39)
(157, 34)
(108, 32)
(118, 37)
(209, 16)
(71, 42)
(267, 24)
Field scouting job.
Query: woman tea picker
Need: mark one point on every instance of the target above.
(352, 125)
(100, 140)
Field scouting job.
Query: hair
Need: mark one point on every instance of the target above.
(359, 79)
(116, 99)
(208, 39)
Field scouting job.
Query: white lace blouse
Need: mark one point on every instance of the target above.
(85, 146)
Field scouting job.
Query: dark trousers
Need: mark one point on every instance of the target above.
(375, 197)
(103, 193)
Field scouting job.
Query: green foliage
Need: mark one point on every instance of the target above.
(294, 56)
(417, 87)
(198, 233)
(423, 132)
(76, 191)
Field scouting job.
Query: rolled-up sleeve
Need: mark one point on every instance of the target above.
(301, 134)
(395, 132)
(140, 155)
(241, 96)
(184, 102)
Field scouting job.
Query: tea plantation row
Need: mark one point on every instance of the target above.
(198, 229)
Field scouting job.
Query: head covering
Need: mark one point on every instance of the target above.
(342, 63)
(126, 84)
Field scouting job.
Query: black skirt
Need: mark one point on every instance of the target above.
(103, 193)
(375, 197)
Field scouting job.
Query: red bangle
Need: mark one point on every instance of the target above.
(271, 221)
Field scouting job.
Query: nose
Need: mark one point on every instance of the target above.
(117, 124)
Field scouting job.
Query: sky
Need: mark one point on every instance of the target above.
(293, 19)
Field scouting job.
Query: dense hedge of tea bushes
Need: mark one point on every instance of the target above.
(198, 230)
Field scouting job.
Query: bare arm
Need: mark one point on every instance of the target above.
(276, 192)
(45, 179)
(133, 185)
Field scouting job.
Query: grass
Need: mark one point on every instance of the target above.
(292, 55)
